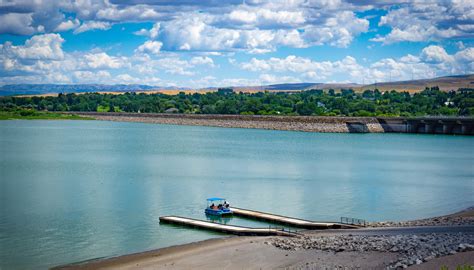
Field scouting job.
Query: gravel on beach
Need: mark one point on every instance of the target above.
(463, 218)
(410, 249)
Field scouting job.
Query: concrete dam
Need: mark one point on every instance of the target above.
(429, 125)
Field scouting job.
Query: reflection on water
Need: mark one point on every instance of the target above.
(76, 190)
(219, 219)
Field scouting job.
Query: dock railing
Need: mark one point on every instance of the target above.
(283, 229)
(353, 221)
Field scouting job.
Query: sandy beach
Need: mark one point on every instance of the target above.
(308, 253)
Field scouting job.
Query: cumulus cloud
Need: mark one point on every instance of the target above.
(67, 25)
(255, 25)
(199, 29)
(262, 18)
(92, 25)
(130, 13)
(152, 33)
(431, 62)
(40, 47)
(259, 28)
(85, 76)
(428, 20)
(271, 79)
(41, 60)
(149, 46)
(435, 54)
(202, 60)
(337, 31)
(103, 60)
(17, 24)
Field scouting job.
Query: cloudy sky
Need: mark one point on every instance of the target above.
(199, 43)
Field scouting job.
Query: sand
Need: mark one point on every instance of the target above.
(239, 253)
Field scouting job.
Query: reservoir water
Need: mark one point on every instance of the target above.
(77, 190)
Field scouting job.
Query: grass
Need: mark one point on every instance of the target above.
(35, 115)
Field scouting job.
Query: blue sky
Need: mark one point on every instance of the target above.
(229, 42)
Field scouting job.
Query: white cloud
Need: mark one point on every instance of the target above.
(149, 46)
(432, 61)
(263, 18)
(259, 28)
(152, 33)
(202, 60)
(92, 25)
(255, 26)
(272, 79)
(130, 13)
(428, 20)
(45, 47)
(435, 54)
(81, 76)
(102, 60)
(337, 31)
(67, 25)
(173, 65)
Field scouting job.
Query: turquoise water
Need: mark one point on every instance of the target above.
(77, 190)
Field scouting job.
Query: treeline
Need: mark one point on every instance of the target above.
(430, 101)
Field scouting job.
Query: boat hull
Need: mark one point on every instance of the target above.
(218, 212)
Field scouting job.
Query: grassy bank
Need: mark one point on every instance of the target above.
(36, 115)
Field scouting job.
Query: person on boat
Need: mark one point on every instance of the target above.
(212, 206)
(219, 206)
(226, 205)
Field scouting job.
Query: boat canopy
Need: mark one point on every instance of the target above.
(215, 199)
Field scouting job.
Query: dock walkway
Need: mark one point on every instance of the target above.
(294, 222)
(238, 230)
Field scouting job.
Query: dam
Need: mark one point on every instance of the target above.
(429, 125)
(458, 125)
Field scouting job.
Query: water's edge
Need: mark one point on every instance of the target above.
(425, 125)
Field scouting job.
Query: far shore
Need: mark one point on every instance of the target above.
(324, 124)
(269, 122)
(237, 252)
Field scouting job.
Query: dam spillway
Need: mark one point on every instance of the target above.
(429, 125)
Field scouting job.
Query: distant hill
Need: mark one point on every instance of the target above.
(444, 83)
(290, 86)
(38, 89)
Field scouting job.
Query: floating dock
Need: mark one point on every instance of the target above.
(290, 221)
(232, 229)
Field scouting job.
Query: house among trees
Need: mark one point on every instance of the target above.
(225, 91)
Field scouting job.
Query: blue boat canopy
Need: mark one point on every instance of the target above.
(215, 199)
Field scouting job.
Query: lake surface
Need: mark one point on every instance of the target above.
(76, 190)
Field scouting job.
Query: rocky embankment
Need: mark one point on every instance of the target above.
(440, 221)
(293, 123)
(463, 218)
(410, 249)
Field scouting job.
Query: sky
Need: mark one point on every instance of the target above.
(203, 43)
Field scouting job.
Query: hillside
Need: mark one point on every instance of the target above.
(444, 83)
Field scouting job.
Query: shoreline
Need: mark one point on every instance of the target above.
(270, 122)
(323, 124)
(307, 252)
